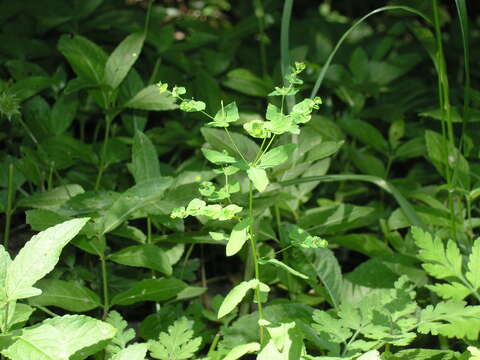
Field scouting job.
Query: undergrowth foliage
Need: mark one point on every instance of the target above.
(230, 218)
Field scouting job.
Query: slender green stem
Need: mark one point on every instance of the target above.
(106, 301)
(253, 247)
(6, 316)
(214, 343)
(285, 46)
(102, 164)
(8, 210)
(46, 311)
(262, 37)
(147, 19)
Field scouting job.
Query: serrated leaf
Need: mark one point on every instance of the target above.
(473, 273)
(454, 290)
(132, 352)
(145, 164)
(238, 236)
(123, 335)
(277, 156)
(440, 261)
(38, 257)
(122, 59)
(258, 177)
(59, 338)
(452, 319)
(177, 344)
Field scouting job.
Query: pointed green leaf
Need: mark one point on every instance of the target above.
(239, 236)
(150, 290)
(235, 296)
(217, 157)
(238, 351)
(66, 295)
(283, 266)
(59, 338)
(276, 156)
(147, 256)
(38, 257)
(145, 164)
(122, 59)
(258, 177)
(151, 99)
(85, 57)
(225, 115)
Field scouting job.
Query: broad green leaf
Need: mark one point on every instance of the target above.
(258, 177)
(132, 352)
(366, 133)
(276, 156)
(283, 266)
(177, 344)
(122, 59)
(151, 99)
(217, 139)
(138, 197)
(150, 290)
(473, 273)
(86, 58)
(62, 114)
(28, 87)
(145, 164)
(59, 338)
(236, 295)
(238, 236)
(38, 257)
(53, 199)
(321, 264)
(217, 157)
(147, 256)
(359, 65)
(66, 295)
(238, 351)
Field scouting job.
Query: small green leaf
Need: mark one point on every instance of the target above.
(225, 116)
(151, 99)
(258, 177)
(191, 105)
(473, 273)
(257, 129)
(283, 266)
(236, 295)
(239, 236)
(218, 157)
(238, 351)
(276, 156)
(132, 352)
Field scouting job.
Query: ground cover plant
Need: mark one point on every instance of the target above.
(239, 180)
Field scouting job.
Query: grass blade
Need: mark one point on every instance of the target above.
(325, 67)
